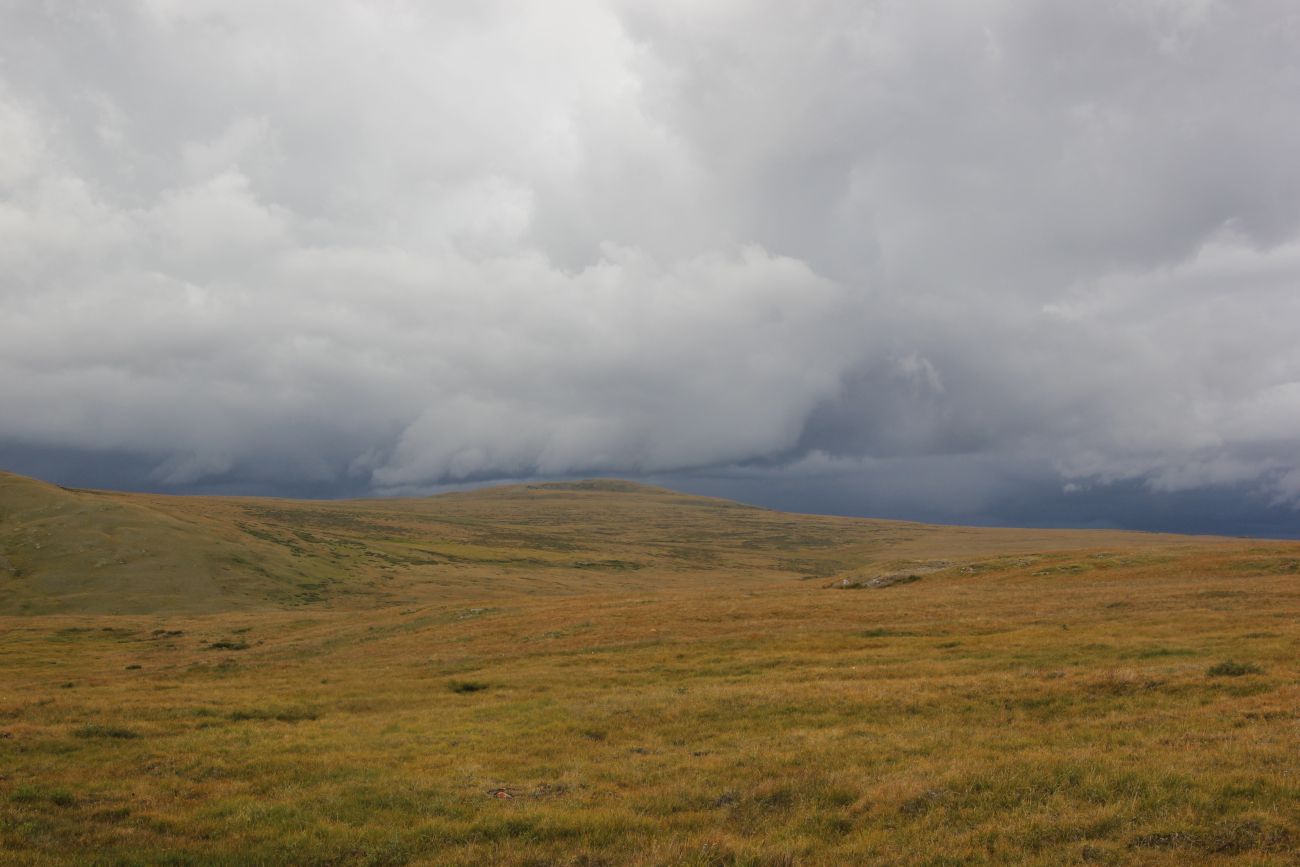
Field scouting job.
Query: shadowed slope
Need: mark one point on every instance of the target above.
(80, 551)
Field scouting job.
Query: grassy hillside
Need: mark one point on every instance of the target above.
(92, 552)
(599, 673)
(71, 551)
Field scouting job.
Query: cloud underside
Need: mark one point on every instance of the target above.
(395, 246)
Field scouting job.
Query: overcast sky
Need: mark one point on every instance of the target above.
(989, 261)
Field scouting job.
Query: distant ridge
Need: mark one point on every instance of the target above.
(618, 486)
(65, 550)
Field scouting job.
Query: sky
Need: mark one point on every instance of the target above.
(988, 261)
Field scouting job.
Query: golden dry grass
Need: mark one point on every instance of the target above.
(581, 677)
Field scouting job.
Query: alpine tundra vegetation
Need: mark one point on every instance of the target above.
(606, 673)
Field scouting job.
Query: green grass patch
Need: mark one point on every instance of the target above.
(37, 795)
(276, 714)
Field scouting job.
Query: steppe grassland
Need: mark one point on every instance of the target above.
(1057, 706)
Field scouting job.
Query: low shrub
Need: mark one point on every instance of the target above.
(96, 730)
(1228, 668)
(464, 686)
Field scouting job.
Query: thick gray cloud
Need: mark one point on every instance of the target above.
(1048, 248)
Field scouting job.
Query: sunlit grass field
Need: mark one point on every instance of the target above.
(569, 676)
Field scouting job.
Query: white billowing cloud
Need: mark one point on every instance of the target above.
(718, 359)
(22, 138)
(244, 138)
(419, 243)
(213, 224)
(1205, 386)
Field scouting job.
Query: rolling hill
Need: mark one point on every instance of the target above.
(76, 551)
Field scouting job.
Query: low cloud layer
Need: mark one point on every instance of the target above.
(1035, 250)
